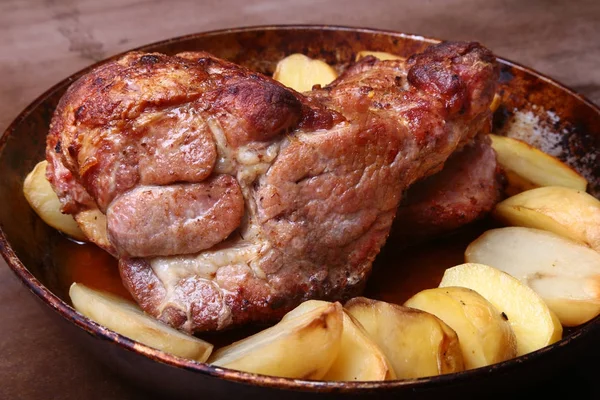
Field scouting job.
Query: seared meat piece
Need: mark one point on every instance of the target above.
(148, 120)
(466, 189)
(230, 198)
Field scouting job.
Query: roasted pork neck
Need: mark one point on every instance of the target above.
(230, 198)
(467, 189)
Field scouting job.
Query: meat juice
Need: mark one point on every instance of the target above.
(398, 273)
(88, 264)
(401, 272)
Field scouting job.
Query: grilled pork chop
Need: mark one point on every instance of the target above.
(230, 198)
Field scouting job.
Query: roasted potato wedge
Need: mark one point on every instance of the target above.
(416, 343)
(534, 325)
(485, 336)
(496, 102)
(359, 358)
(304, 346)
(305, 307)
(45, 203)
(301, 73)
(126, 318)
(564, 273)
(381, 55)
(567, 212)
(93, 225)
(527, 167)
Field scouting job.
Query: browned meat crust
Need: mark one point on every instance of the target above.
(143, 120)
(321, 176)
(466, 189)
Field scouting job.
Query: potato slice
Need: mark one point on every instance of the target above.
(301, 73)
(416, 343)
(304, 308)
(304, 346)
(359, 358)
(485, 336)
(534, 325)
(93, 225)
(564, 211)
(527, 167)
(45, 203)
(126, 318)
(565, 274)
(381, 55)
(496, 102)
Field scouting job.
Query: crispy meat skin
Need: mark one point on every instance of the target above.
(320, 175)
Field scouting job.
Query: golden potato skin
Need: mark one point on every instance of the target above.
(535, 326)
(527, 167)
(359, 358)
(41, 197)
(416, 343)
(571, 213)
(485, 335)
(126, 318)
(301, 73)
(303, 346)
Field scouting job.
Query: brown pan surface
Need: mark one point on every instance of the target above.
(551, 116)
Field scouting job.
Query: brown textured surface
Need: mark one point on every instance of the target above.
(43, 42)
(467, 188)
(318, 213)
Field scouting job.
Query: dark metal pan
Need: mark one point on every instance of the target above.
(547, 114)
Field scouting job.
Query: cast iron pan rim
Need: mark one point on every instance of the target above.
(100, 332)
